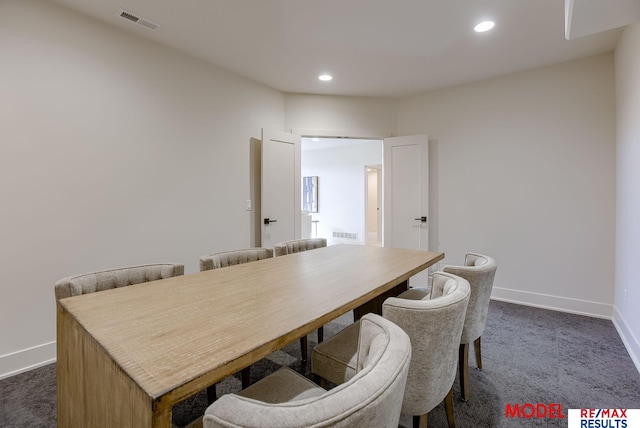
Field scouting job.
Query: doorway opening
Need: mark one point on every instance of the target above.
(373, 205)
(342, 186)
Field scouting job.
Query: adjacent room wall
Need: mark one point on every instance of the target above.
(526, 173)
(114, 151)
(341, 188)
(626, 315)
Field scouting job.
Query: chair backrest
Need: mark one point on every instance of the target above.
(372, 398)
(480, 271)
(298, 245)
(434, 326)
(230, 258)
(104, 280)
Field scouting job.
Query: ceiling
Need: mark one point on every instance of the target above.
(372, 47)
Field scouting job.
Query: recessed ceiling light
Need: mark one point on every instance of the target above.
(484, 26)
(325, 77)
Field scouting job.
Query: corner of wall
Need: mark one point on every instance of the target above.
(630, 341)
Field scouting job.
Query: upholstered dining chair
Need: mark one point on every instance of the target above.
(286, 399)
(236, 257)
(225, 259)
(114, 278)
(434, 326)
(480, 271)
(297, 246)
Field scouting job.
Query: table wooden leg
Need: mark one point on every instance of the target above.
(87, 378)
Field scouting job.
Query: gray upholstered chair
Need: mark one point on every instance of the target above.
(225, 259)
(297, 246)
(434, 326)
(480, 271)
(104, 280)
(230, 258)
(285, 399)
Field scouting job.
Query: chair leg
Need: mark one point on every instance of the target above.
(303, 348)
(476, 348)
(420, 421)
(323, 383)
(246, 377)
(211, 394)
(463, 370)
(320, 334)
(448, 405)
(316, 378)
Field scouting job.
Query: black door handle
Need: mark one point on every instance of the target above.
(423, 219)
(267, 221)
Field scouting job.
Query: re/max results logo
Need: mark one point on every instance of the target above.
(604, 418)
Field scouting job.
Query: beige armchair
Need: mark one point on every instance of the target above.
(434, 327)
(286, 399)
(225, 259)
(480, 271)
(104, 280)
(230, 258)
(296, 246)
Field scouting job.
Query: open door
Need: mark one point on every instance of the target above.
(280, 205)
(406, 195)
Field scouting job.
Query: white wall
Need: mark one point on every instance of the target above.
(525, 172)
(627, 293)
(543, 144)
(341, 188)
(351, 116)
(114, 151)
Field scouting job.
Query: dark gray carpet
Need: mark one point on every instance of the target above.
(529, 355)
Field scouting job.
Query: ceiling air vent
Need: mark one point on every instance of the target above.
(137, 19)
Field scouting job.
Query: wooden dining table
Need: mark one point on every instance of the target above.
(126, 356)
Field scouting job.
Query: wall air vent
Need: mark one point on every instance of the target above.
(137, 19)
(345, 235)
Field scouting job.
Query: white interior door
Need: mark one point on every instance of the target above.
(281, 200)
(405, 175)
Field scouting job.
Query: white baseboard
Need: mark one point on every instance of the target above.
(27, 359)
(630, 341)
(554, 303)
